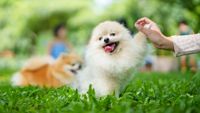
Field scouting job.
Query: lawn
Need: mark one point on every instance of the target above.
(147, 93)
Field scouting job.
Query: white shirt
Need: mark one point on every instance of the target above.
(187, 44)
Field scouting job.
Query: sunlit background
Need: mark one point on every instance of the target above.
(26, 25)
(163, 84)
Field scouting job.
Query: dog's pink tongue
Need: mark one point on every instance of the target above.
(109, 48)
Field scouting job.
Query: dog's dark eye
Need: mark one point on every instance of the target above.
(112, 34)
(100, 38)
(73, 64)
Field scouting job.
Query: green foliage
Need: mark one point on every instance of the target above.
(22, 22)
(191, 11)
(150, 92)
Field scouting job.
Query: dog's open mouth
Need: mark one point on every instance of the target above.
(111, 47)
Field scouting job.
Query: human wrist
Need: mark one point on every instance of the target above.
(168, 43)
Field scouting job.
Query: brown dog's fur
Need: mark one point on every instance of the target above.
(43, 74)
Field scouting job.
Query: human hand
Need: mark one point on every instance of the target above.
(150, 28)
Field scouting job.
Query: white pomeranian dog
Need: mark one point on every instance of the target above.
(111, 53)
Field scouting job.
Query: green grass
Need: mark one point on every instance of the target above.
(147, 93)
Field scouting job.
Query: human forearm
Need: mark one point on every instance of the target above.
(164, 43)
(181, 45)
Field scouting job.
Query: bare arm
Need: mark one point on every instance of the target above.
(69, 45)
(152, 31)
(181, 45)
(49, 47)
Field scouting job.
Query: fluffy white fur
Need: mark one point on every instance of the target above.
(106, 72)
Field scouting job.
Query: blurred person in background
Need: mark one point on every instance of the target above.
(186, 61)
(149, 59)
(60, 43)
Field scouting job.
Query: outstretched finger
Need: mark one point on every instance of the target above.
(144, 19)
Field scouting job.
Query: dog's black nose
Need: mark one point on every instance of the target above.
(106, 40)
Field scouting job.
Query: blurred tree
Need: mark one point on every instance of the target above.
(192, 11)
(23, 22)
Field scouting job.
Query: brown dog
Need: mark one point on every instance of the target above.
(39, 72)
